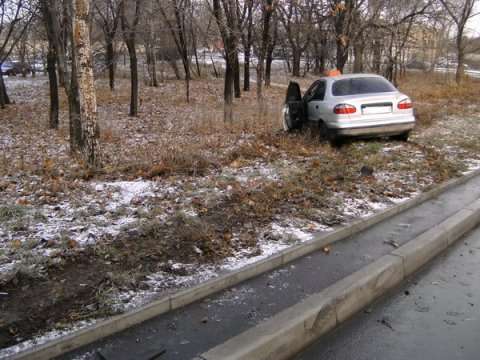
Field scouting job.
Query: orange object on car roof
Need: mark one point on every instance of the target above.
(334, 72)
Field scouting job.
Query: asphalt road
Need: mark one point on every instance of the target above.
(435, 315)
(196, 328)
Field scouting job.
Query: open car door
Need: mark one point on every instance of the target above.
(293, 111)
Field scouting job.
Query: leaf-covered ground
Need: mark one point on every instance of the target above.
(183, 197)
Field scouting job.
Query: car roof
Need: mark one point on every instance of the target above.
(353, 76)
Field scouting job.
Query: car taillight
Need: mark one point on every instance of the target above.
(344, 109)
(405, 104)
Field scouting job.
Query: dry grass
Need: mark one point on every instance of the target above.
(436, 97)
(172, 137)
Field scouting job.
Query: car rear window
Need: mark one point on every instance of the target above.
(359, 86)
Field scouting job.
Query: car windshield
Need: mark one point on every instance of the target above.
(358, 86)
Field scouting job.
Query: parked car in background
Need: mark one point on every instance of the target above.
(418, 65)
(356, 105)
(38, 66)
(6, 68)
(13, 68)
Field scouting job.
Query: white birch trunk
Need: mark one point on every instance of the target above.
(86, 84)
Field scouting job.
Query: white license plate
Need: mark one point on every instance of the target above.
(377, 110)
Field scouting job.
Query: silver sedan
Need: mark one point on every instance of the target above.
(363, 105)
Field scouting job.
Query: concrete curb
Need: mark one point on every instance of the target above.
(119, 323)
(293, 329)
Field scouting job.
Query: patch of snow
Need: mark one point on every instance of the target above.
(244, 258)
(123, 192)
(354, 208)
(472, 165)
(257, 171)
(161, 281)
(298, 230)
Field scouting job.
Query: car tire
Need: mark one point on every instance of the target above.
(402, 137)
(327, 135)
(288, 123)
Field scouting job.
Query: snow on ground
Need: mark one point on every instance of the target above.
(258, 171)
(472, 164)
(99, 211)
(281, 235)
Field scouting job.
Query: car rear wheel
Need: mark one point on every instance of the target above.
(402, 137)
(327, 135)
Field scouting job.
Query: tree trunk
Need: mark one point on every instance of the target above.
(86, 83)
(246, 70)
(342, 55)
(176, 70)
(306, 68)
(70, 79)
(197, 62)
(132, 53)
(358, 54)
(316, 61)
(195, 47)
(188, 77)
(287, 59)
(248, 48)
(460, 74)
(237, 77)
(260, 72)
(76, 138)
(111, 64)
(296, 57)
(228, 89)
(214, 67)
(53, 85)
(268, 67)
(266, 39)
(377, 57)
(4, 99)
(151, 65)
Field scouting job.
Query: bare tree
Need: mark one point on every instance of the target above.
(225, 12)
(86, 85)
(149, 39)
(297, 18)
(246, 36)
(179, 28)
(344, 14)
(270, 48)
(51, 65)
(57, 17)
(461, 11)
(320, 37)
(15, 18)
(267, 9)
(129, 30)
(107, 17)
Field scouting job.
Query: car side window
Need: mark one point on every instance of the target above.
(319, 94)
(311, 91)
